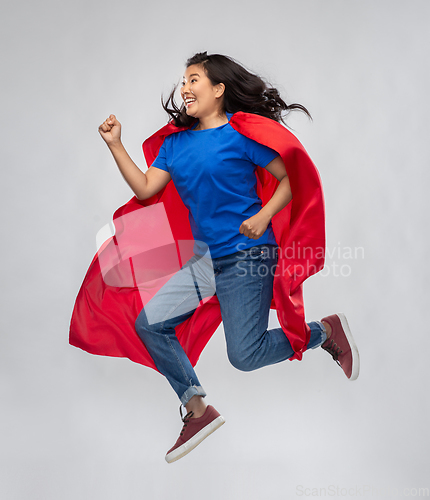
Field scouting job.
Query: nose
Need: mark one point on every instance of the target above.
(186, 89)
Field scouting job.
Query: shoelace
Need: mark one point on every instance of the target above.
(334, 350)
(185, 419)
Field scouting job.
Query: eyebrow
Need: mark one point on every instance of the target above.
(194, 74)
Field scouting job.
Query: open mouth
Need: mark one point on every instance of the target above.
(189, 101)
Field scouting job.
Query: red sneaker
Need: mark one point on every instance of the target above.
(193, 432)
(341, 345)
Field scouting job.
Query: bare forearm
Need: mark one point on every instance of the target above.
(132, 174)
(143, 185)
(255, 226)
(280, 199)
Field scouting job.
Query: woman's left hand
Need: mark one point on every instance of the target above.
(255, 226)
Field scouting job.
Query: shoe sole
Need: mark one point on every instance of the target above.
(195, 440)
(354, 349)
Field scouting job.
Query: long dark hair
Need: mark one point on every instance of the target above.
(244, 91)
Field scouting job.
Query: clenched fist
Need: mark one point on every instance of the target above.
(110, 130)
(255, 226)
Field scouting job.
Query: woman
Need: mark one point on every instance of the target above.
(213, 168)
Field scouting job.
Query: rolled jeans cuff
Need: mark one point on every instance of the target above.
(194, 390)
(318, 334)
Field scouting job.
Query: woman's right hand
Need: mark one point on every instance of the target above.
(144, 185)
(110, 130)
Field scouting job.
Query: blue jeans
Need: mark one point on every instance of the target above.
(243, 283)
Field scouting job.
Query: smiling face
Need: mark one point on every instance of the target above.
(201, 98)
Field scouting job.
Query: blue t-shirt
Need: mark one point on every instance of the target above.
(214, 173)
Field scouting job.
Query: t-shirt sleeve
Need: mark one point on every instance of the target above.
(160, 162)
(259, 155)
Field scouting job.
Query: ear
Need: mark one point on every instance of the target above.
(219, 90)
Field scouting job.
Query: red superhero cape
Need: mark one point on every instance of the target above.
(126, 271)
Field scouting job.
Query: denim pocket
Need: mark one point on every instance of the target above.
(263, 253)
(256, 251)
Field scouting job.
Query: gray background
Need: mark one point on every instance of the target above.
(80, 426)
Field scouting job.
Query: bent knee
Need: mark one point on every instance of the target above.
(244, 364)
